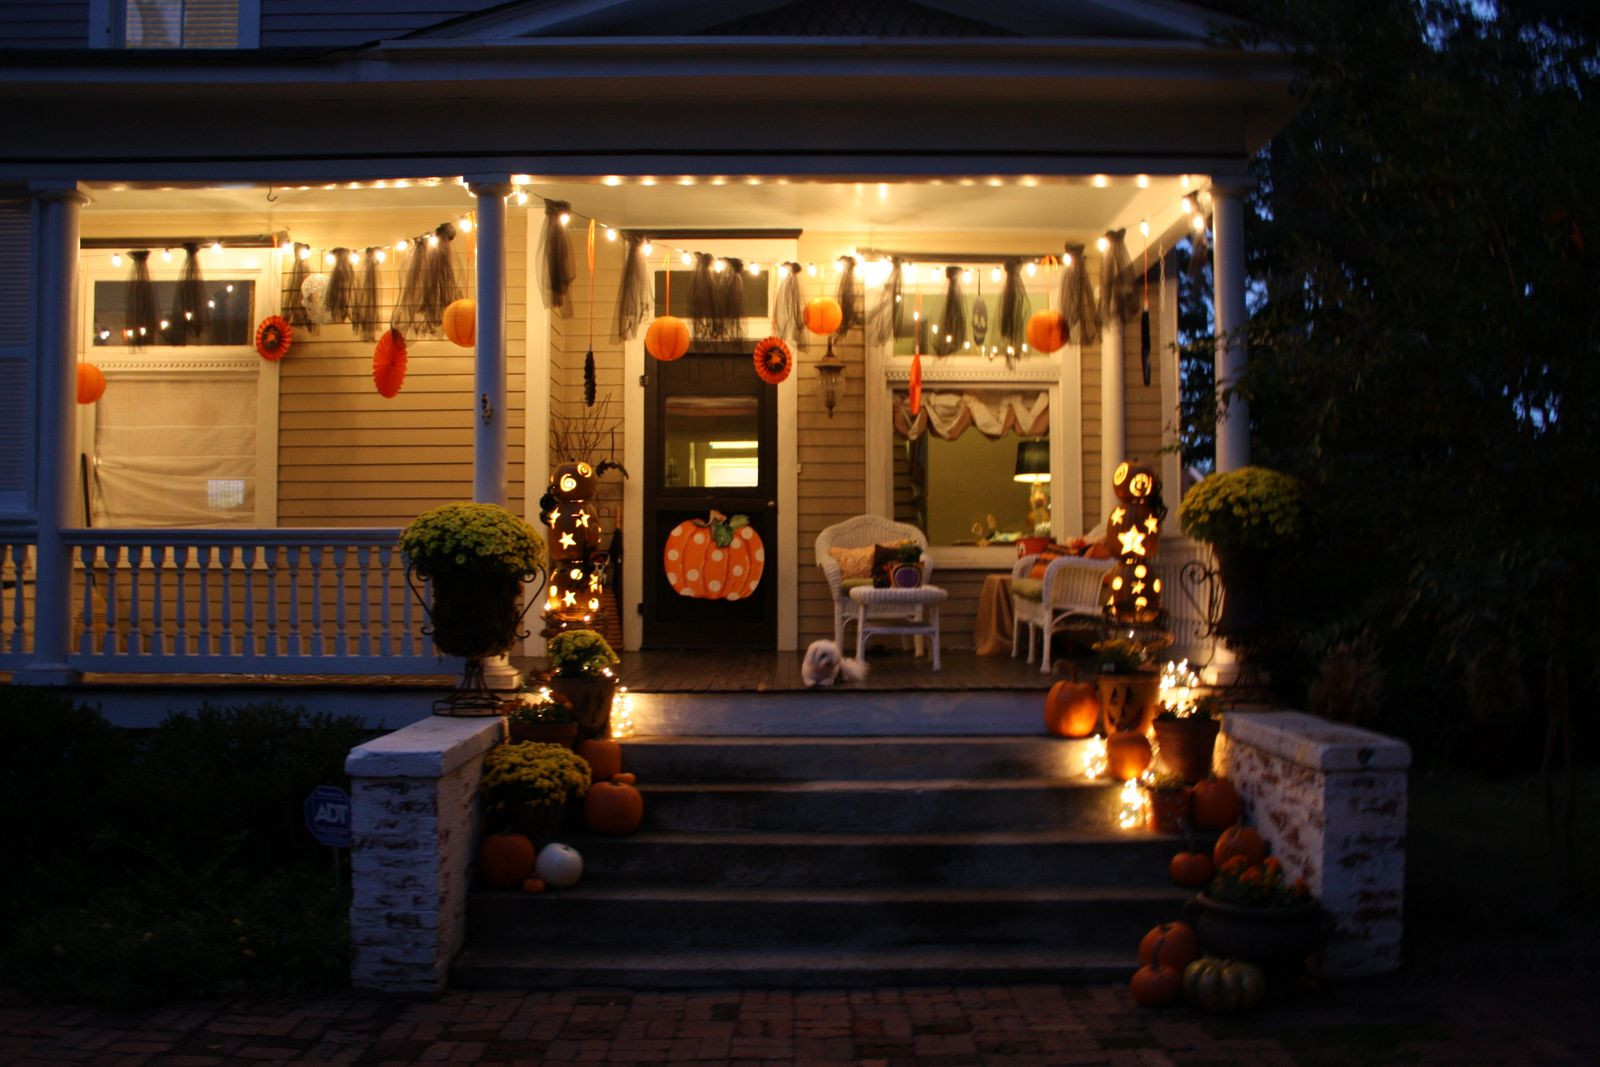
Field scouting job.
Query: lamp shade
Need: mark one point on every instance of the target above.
(1033, 461)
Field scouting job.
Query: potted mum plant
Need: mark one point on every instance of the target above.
(906, 570)
(475, 559)
(581, 662)
(528, 785)
(1168, 809)
(1128, 688)
(1251, 911)
(1247, 516)
(537, 716)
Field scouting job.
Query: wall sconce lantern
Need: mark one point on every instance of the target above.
(831, 382)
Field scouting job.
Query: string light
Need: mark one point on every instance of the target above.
(305, 253)
(216, 246)
(465, 225)
(611, 234)
(116, 259)
(166, 255)
(1103, 243)
(564, 218)
(1133, 804)
(1094, 757)
(647, 248)
(433, 240)
(328, 258)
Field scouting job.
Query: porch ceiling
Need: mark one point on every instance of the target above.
(892, 212)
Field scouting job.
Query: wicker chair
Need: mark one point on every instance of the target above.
(856, 533)
(1066, 598)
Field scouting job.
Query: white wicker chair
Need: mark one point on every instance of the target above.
(855, 533)
(1069, 598)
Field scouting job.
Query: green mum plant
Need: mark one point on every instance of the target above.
(1120, 655)
(472, 540)
(1251, 507)
(579, 653)
(531, 772)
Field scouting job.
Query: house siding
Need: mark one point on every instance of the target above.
(16, 406)
(302, 23)
(44, 24)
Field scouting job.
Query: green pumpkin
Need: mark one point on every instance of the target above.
(1223, 986)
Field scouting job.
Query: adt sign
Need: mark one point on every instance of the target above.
(328, 815)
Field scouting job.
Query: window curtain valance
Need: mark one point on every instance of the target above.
(948, 413)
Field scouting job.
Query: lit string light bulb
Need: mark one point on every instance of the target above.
(622, 713)
(1095, 763)
(1131, 805)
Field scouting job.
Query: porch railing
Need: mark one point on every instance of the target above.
(329, 601)
(16, 593)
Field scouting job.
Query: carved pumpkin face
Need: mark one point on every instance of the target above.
(1130, 593)
(574, 481)
(1135, 481)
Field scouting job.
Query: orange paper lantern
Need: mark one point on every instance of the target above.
(823, 314)
(1047, 331)
(389, 363)
(667, 338)
(460, 322)
(91, 383)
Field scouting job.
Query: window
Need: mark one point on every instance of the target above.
(176, 23)
(230, 314)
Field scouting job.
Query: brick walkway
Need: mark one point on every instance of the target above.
(1375, 1023)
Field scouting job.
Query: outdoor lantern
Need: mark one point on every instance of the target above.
(831, 383)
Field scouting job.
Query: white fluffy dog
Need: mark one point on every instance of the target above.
(824, 664)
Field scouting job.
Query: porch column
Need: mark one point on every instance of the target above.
(1113, 434)
(55, 365)
(1227, 220)
(489, 438)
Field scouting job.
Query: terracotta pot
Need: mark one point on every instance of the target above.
(1168, 811)
(1277, 940)
(474, 616)
(1128, 701)
(590, 701)
(1187, 746)
(538, 821)
(553, 733)
(905, 575)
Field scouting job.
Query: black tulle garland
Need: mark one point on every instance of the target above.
(1199, 253)
(555, 253)
(364, 300)
(589, 384)
(715, 298)
(883, 321)
(850, 315)
(1075, 298)
(294, 305)
(727, 281)
(1119, 299)
(191, 307)
(951, 331)
(788, 315)
(341, 287)
(430, 284)
(1014, 308)
(634, 297)
(141, 319)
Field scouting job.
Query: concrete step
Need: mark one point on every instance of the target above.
(994, 859)
(885, 714)
(651, 917)
(953, 805)
(799, 759)
(554, 966)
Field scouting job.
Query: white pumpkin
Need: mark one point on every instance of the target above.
(559, 865)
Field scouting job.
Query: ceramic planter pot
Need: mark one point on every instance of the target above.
(1246, 594)
(1128, 701)
(905, 576)
(590, 701)
(474, 616)
(1168, 811)
(552, 733)
(1277, 940)
(1187, 746)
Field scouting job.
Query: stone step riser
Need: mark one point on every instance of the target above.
(907, 810)
(1135, 861)
(789, 760)
(645, 922)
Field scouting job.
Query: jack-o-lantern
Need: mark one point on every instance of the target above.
(1047, 331)
(667, 338)
(574, 481)
(715, 559)
(1131, 593)
(1072, 709)
(1134, 480)
(823, 315)
(1133, 529)
(1128, 754)
(460, 322)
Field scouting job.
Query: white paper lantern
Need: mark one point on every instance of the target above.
(559, 865)
(314, 294)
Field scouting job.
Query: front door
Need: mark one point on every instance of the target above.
(710, 450)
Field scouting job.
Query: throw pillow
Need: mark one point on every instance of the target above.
(854, 562)
(883, 558)
(1050, 552)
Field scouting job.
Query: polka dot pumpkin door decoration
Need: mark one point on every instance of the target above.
(715, 558)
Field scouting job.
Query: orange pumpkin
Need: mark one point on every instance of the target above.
(91, 383)
(1047, 331)
(1191, 869)
(460, 322)
(613, 808)
(505, 860)
(625, 777)
(1127, 755)
(604, 758)
(1217, 805)
(698, 566)
(1240, 840)
(823, 314)
(667, 338)
(1172, 945)
(1072, 709)
(533, 885)
(1157, 987)
(389, 364)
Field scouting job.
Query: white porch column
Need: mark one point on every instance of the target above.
(1233, 429)
(489, 370)
(55, 365)
(1113, 422)
(489, 423)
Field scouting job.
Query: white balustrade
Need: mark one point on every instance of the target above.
(16, 594)
(327, 601)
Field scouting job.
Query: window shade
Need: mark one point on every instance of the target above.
(949, 413)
